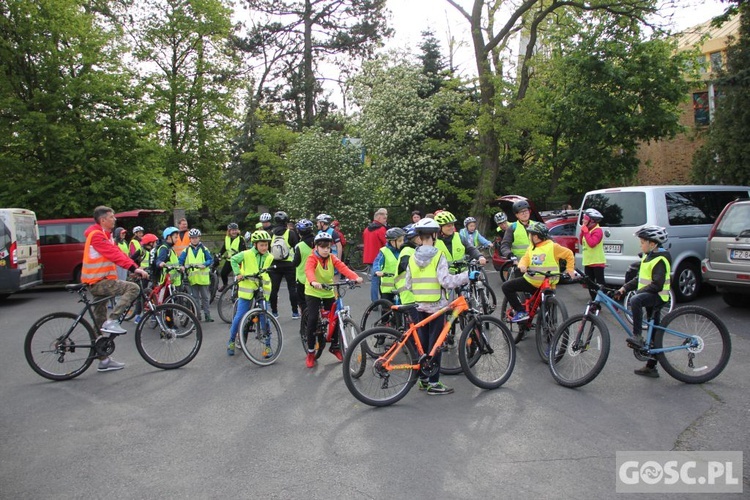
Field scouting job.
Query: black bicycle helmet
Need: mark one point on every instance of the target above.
(280, 217)
(394, 233)
(538, 229)
(657, 234)
(232, 225)
(521, 205)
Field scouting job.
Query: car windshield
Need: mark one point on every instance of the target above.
(736, 220)
(619, 209)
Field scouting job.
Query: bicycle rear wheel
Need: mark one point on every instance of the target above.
(552, 313)
(579, 350)
(450, 364)
(53, 353)
(366, 377)
(505, 271)
(168, 337)
(188, 302)
(261, 337)
(225, 305)
(378, 313)
(707, 357)
(487, 352)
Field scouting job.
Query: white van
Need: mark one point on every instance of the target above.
(19, 251)
(687, 212)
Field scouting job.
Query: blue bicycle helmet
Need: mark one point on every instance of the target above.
(169, 231)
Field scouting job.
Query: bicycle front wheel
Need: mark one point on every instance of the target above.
(579, 350)
(704, 355)
(225, 305)
(517, 330)
(169, 336)
(348, 331)
(552, 313)
(487, 352)
(365, 375)
(506, 271)
(378, 313)
(320, 342)
(134, 306)
(261, 337)
(55, 351)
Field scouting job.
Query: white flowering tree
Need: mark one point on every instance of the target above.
(398, 120)
(325, 174)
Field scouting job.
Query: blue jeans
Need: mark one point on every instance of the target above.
(243, 306)
(375, 288)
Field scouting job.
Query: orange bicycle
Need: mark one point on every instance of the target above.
(382, 364)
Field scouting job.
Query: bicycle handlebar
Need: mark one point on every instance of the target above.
(330, 286)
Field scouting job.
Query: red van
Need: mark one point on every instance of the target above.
(62, 242)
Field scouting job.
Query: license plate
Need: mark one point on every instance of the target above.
(612, 248)
(739, 254)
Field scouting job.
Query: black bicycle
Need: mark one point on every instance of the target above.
(62, 345)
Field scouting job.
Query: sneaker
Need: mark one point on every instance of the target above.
(112, 327)
(647, 372)
(109, 365)
(137, 319)
(209, 319)
(336, 352)
(275, 314)
(439, 388)
(230, 349)
(635, 341)
(310, 360)
(520, 316)
(422, 385)
(267, 352)
(295, 315)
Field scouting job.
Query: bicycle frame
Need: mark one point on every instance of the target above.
(457, 307)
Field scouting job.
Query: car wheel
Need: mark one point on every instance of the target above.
(687, 282)
(736, 299)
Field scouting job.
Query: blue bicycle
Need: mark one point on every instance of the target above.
(691, 343)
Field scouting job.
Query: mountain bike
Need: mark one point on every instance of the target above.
(353, 253)
(691, 343)
(226, 303)
(335, 325)
(541, 306)
(163, 293)
(63, 345)
(382, 364)
(259, 333)
(215, 278)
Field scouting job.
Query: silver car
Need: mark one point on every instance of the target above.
(727, 262)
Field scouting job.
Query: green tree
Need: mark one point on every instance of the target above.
(325, 174)
(70, 140)
(725, 157)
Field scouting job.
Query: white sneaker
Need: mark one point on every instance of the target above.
(110, 365)
(111, 326)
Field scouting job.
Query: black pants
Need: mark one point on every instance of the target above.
(638, 302)
(301, 297)
(289, 273)
(596, 274)
(225, 272)
(510, 289)
(313, 305)
(428, 335)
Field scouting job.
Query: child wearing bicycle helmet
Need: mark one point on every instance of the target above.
(516, 239)
(233, 244)
(651, 285)
(592, 247)
(542, 255)
(302, 251)
(319, 271)
(430, 280)
(450, 242)
(411, 242)
(248, 263)
(166, 255)
(385, 265)
(471, 234)
(196, 261)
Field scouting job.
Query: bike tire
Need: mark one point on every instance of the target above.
(665, 309)
(261, 337)
(491, 299)
(450, 363)
(505, 271)
(579, 350)
(320, 341)
(378, 313)
(364, 376)
(225, 305)
(349, 332)
(130, 311)
(517, 330)
(186, 301)
(711, 355)
(54, 358)
(167, 343)
(551, 314)
(487, 352)
(213, 286)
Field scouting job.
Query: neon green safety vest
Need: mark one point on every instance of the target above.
(232, 246)
(543, 260)
(647, 269)
(124, 247)
(390, 266)
(593, 255)
(252, 263)
(304, 252)
(458, 250)
(475, 236)
(424, 280)
(197, 275)
(138, 249)
(521, 240)
(405, 296)
(174, 274)
(322, 275)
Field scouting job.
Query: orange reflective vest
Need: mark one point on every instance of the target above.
(96, 267)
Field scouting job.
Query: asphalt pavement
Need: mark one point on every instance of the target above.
(223, 427)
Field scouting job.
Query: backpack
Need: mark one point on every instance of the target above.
(280, 248)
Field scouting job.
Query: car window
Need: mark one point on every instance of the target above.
(736, 220)
(697, 207)
(564, 230)
(4, 237)
(26, 230)
(76, 232)
(619, 209)
(52, 234)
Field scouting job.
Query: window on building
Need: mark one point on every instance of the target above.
(715, 58)
(700, 109)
